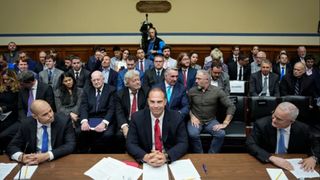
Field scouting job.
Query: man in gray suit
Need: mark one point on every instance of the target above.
(219, 78)
(51, 75)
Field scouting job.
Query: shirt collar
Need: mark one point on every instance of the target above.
(154, 118)
(39, 125)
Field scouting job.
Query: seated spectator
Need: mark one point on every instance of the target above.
(3, 64)
(68, 97)
(67, 63)
(24, 57)
(59, 62)
(216, 55)
(255, 65)
(82, 76)
(22, 66)
(41, 63)
(43, 137)
(12, 55)
(91, 63)
(283, 67)
(240, 70)
(218, 77)
(120, 65)
(110, 75)
(264, 82)
(311, 69)
(235, 55)
(143, 63)
(254, 52)
(9, 92)
(117, 58)
(51, 75)
(170, 140)
(282, 134)
(187, 74)
(194, 58)
(156, 74)
(168, 61)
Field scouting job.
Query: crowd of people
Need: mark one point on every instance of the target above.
(152, 104)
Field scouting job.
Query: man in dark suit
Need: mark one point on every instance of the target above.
(41, 63)
(235, 55)
(283, 67)
(239, 70)
(176, 95)
(110, 75)
(129, 100)
(157, 135)
(43, 137)
(264, 82)
(300, 57)
(91, 63)
(97, 115)
(187, 74)
(282, 134)
(143, 64)
(81, 75)
(155, 75)
(31, 90)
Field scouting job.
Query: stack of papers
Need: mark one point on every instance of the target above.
(184, 169)
(26, 172)
(155, 173)
(109, 168)
(276, 174)
(300, 173)
(6, 168)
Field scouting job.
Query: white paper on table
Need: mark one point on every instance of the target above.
(184, 169)
(110, 168)
(6, 168)
(237, 86)
(155, 173)
(300, 173)
(26, 172)
(276, 174)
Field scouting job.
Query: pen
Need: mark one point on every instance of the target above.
(279, 175)
(204, 167)
(26, 172)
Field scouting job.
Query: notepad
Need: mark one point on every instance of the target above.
(276, 174)
(26, 172)
(300, 173)
(184, 169)
(155, 173)
(6, 168)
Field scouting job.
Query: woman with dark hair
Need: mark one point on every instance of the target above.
(9, 90)
(68, 96)
(194, 58)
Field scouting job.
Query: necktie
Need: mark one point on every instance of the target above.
(45, 139)
(235, 58)
(282, 73)
(49, 76)
(134, 103)
(157, 136)
(281, 144)
(158, 74)
(184, 73)
(240, 73)
(168, 93)
(98, 99)
(297, 88)
(265, 88)
(30, 100)
(141, 66)
(77, 75)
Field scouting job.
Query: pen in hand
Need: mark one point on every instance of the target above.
(204, 167)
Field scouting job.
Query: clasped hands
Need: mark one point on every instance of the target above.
(196, 123)
(307, 164)
(33, 158)
(155, 158)
(99, 128)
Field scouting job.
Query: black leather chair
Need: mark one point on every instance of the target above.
(261, 106)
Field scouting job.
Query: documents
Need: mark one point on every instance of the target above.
(155, 173)
(184, 169)
(276, 174)
(4, 116)
(26, 172)
(6, 168)
(237, 86)
(112, 169)
(300, 173)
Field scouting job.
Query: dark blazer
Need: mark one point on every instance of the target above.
(174, 135)
(276, 69)
(263, 140)
(191, 77)
(113, 75)
(83, 79)
(256, 85)
(233, 70)
(179, 100)
(91, 63)
(123, 104)
(44, 92)
(106, 106)
(307, 86)
(38, 67)
(150, 77)
(63, 139)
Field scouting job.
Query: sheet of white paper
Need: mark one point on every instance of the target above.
(109, 168)
(6, 168)
(184, 169)
(276, 174)
(300, 173)
(26, 172)
(155, 173)
(237, 86)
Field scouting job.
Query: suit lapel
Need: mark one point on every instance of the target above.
(148, 128)
(260, 87)
(141, 98)
(53, 132)
(33, 135)
(165, 128)
(273, 137)
(126, 96)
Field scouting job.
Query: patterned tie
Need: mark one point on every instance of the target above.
(98, 99)
(30, 100)
(134, 103)
(45, 140)
(265, 86)
(281, 144)
(184, 73)
(282, 73)
(297, 88)
(141, 66)
(168, 93)
(157, 136)
(49, 76)
(77, 75)
(240, 73)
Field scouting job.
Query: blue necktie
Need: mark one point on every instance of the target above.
(281, 144)
(45, 140)
(282, 73)
(168, 93)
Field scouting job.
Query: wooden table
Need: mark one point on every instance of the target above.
(220, 166)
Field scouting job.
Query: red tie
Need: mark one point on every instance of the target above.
(157, 136)
(184, 72)
(134, 104)
(141, 66)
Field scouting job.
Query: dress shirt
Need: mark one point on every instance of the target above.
(105, 73)
(286, 137)
(309, 71)
(238, 71)
(263, 76)
(153, 122)
(214, 83)
(34, 90)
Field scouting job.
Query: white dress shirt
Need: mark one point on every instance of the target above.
(286, 137)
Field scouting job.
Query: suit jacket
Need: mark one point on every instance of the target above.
(276, 69)
(179, 100)
(148, 64)
(120, 79)
(56, 73)
(307, 86)
(83, 78)
(106, 106)
(263, 140)
(191, 77)
(150, 77)
(113, 77)
(91, 63)
(38, 68)
(44, 92)
(63, 139)
(174, 135)
(233, 71)
(256, 85)
(123, 104)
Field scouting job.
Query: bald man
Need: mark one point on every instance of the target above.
(42, 137)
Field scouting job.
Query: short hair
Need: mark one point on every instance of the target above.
(166, 47)
(155, 89)
(204, 72)
(116, 48)
(290, 109)
(243, 57)
(129, 75)
(166, 72)
(216, 54)
(309, 57)
(26, 77)
(159, 55)
(74, 57)
(132, 57)
(50, 57)
(266, 61)
(303, 65)
(216, 63)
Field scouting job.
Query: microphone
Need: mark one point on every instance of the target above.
(21, 163)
